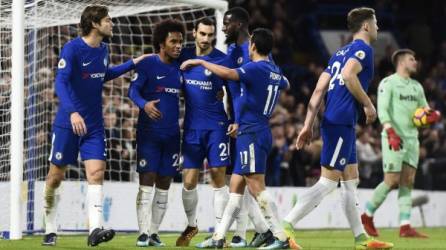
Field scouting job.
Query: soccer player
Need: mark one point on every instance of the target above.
(79, 125)
(398, 97)
(155, 89)
(205, 125)
(261, 82)
(345, 82)
(235, 26)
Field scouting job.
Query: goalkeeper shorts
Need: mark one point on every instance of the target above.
(393, 160)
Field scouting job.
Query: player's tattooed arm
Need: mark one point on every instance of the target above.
(350, 77)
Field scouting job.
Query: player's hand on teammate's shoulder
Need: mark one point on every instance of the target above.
(78, 124)
(232, 130)
(141, 57)
(152, 111)
(370, 113)
(190, 63)
(304, 137)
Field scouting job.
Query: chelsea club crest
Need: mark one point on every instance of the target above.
(240, 60)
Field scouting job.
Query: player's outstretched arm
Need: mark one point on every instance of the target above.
(221, 71)
(116, 71)
(314, 105)
(350, 77)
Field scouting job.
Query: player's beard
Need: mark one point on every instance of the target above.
(204, 46)
(231, 37)
(106, 35)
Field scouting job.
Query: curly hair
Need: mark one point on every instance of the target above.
(162, 30)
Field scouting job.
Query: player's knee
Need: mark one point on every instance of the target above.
(407, 182)
(393, 184)
(189, 185)
(163, 182)
(190, 179)
(218, 176)
(255, 190)
(96, 176)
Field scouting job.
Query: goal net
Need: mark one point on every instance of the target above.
(49, 24)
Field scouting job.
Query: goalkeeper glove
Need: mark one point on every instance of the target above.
(394, 140)
(433, 116)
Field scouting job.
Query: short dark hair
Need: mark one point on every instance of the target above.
(162, 30)
(263, 39)
(238, 14)
(92, 14)
(398, 55)
(206, 21)
(357, 16)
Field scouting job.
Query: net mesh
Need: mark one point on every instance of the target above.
(49, 25)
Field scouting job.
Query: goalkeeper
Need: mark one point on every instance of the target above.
(398, 97)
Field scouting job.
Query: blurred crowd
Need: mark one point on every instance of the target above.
(300, 52)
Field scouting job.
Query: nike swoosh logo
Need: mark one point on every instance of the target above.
(160, 77)
(86, 64)
(224, 158)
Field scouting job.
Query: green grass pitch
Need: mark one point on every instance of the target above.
(308, 239)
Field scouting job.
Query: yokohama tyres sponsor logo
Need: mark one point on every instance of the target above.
(86, 75)
(160, 89)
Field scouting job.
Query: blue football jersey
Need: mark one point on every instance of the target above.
(82, 71)
(260, 83)
(341, 106)
(237, 57)
(154, 80)
(201, 88)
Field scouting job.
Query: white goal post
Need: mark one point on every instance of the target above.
(21, 26)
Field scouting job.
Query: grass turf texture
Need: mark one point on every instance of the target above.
(308, 239)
